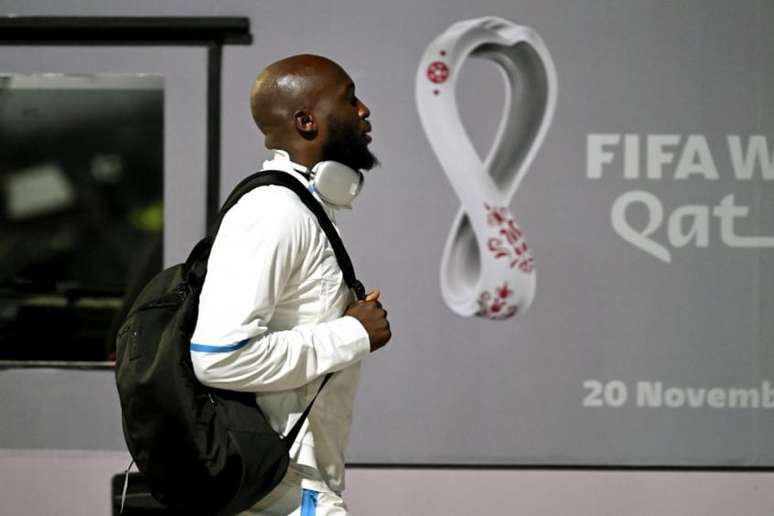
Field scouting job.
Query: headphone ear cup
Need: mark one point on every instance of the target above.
(336, 183)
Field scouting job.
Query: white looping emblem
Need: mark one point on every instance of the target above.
(487, 268)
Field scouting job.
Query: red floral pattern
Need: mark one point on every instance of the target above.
(510, 245)
(438, 72)
(495, 305)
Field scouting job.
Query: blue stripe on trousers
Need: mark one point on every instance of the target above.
(309, 503)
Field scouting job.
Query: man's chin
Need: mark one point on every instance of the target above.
(361, 162)
(354, 153)
(372, 164)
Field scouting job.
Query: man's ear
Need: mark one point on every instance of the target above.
(306, 124)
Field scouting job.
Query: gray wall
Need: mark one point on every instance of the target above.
(450, 389)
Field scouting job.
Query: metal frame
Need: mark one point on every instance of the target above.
(209, 32)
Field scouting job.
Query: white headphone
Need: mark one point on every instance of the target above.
(336, 183)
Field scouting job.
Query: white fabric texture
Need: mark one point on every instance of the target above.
(273, 284)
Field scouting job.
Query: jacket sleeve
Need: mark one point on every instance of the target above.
(261, 242)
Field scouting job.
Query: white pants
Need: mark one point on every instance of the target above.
(290, 499)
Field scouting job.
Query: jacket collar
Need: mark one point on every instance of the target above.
(281, 161)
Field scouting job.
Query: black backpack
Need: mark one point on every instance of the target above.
(201, 450)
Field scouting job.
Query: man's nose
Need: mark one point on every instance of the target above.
(362, 110)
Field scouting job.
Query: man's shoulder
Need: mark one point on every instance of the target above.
(274, 203)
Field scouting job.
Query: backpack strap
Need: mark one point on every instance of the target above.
(309, 200)
(197, 260)
(291, 437)
(201, 252)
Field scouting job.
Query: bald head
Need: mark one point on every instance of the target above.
(287, 87)
(306, 105)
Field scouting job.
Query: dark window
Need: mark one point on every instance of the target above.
(81, 189)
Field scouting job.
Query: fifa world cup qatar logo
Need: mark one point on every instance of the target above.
(487, 268)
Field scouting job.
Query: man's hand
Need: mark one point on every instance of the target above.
(373, 318)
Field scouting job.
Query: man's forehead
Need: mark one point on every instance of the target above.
(335, 75)
(334, 82)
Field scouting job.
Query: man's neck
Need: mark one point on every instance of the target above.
(284, 155)
(303, 156)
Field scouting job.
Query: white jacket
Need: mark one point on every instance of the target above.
(270, 322)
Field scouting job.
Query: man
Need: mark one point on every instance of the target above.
(275, 315)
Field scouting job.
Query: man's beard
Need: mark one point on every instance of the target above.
(347, 146)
